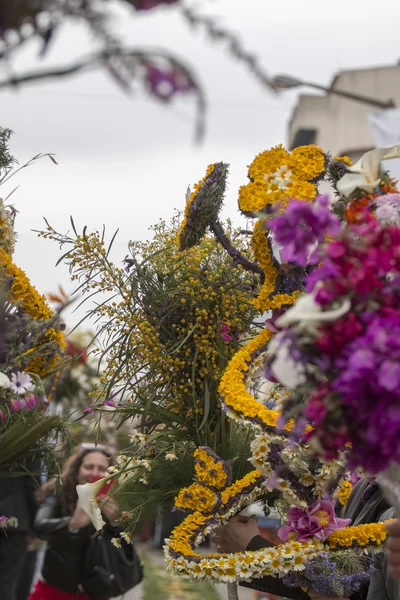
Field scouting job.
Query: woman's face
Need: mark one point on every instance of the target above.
(94, 466)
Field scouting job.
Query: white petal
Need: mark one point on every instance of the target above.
(351, 181)
(365, 173)
(4, 381)
(308, 313)
(286, 370)
(87, 499)
(370, 161)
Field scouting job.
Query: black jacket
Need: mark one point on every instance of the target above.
(63, 563)
(359, 513)
(17, 499)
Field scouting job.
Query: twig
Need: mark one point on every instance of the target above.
(235, 46)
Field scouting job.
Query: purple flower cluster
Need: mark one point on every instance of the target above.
(330, 576)
(369, 384)
(302, 228)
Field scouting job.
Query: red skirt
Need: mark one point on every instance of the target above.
(44, 591)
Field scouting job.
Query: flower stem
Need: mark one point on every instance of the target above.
(238, 258)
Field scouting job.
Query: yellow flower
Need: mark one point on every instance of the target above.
(344, 159)
(276, 175)
(233, 388)
(344, 492)
(34, 304)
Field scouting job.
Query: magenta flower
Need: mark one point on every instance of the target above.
(318, 520)
(110, 402)
(149, 4)
(15, 405)
(225, 331)
(3, 415)
(166, 83)
(88, 411)
(302, 228)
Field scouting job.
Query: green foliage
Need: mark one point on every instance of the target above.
(6, 158)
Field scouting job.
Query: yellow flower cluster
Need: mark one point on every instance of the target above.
(370, 536)
(191, 199)
(209, 470)
(344, 492)
(262, 252)
(239, 402)
(35, 305)
(184, 535)
(344, 159)
(197, 497)
(236, 489)
(277, 175)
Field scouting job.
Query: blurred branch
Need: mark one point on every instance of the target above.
(235, 47)
(163, 75)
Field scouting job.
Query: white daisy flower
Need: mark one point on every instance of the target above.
(126, 536)
(116, 542)
(21, 383)
(171, 456)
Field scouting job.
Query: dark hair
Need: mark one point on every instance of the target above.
(68, 496)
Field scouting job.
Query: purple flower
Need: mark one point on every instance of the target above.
(15, 405)
(318, 520)
(3, 415)
(88, 411)
(166, 83)
(225, 331)
(302, 227)
(109, 402)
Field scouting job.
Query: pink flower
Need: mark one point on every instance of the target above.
(15, 405)
(225, 331)
(318, 520)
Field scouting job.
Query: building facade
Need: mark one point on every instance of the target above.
(340, 125)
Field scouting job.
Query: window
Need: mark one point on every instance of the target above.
(303, 137)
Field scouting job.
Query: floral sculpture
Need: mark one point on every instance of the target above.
(335, 349)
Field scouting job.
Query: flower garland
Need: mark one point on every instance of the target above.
(182, 558)
(237, 402)
(276, 175)
(197, 188)
(35, 305)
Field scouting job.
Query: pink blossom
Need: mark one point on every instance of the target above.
(225, 331)
(318, 520)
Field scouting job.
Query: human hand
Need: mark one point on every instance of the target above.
(393, 549)
(318, 596)
(108, 508)
(236, 535)
(79, 519)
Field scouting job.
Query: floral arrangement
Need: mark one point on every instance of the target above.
(343, 330)
(345, 259)
(297, 234)
(169, 325)
(31, 344)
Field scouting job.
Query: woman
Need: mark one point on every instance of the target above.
(67, 529)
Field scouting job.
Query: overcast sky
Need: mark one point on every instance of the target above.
(127, 161)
